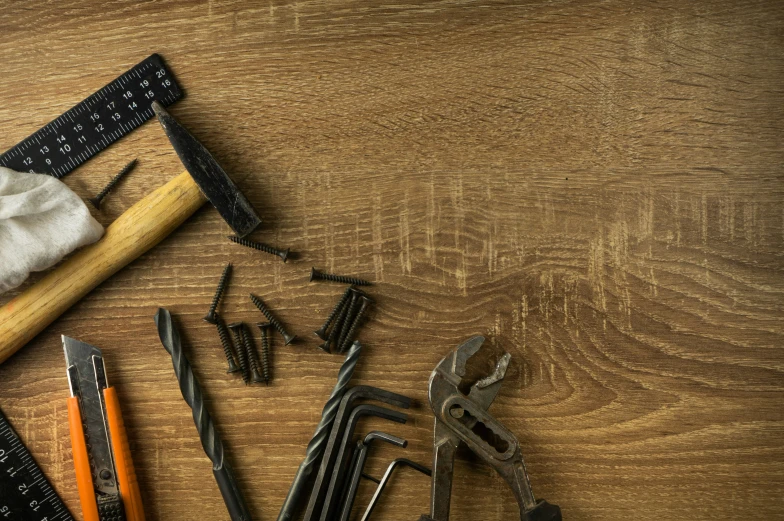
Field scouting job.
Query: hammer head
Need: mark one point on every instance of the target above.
(208, 174)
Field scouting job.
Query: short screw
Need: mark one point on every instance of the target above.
(283, 254)
(250, 351)
(273, 321)
(265, 364)
(96, 201)
(210, 316)
(239, 340)
(363, 307)
(322, 331)
(228, 350)
(319, 275)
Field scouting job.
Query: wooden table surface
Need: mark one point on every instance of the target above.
(595, 186)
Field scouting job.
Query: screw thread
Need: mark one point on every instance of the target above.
(283, 254)
(315, 274)
(272, 320)
(98, 198)
(238, 329)
(219, 290)
(322, 331)
(223, 333)
(355, 324)
(265, 364)
(250, 350)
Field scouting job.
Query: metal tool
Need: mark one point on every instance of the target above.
(105, 477)
(351, 396)
(364, 303)
(283, 254)
(210, 439)
(224, 279)
(25, 493)
(320, 275)
(95, 123)
(322, 331)
(464, 419)
(335, 488)
(385, 481)
(287, 337)
(137, 230)
(213, 181)
(358, 465)
(318, 441)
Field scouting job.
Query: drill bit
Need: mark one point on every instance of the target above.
(319, 439)
(210, 439)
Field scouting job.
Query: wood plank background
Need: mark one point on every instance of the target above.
(596, 186)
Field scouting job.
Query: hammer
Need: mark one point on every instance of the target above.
(141, 227)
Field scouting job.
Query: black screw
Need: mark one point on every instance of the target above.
(223, 333)
(319, 275)
(338, 325)
(277, 325)
(283, 254)
(250, 351)
(210, 316)
(355, 324)
(322, 331)
(96, 201)
(352, 311)
(265, 364)
(239, 340)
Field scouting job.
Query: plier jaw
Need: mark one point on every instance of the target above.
(464, 419)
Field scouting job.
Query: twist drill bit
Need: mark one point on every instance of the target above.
(319, 439)
(210, 439)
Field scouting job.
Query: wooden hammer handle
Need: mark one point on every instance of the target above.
(137, 230)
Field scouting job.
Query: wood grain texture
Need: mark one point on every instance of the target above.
(596, 186)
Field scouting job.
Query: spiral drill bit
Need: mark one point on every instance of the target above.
(210, 439)
(319, 439)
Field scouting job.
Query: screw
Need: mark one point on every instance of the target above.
(322, 332)
(363, 307)
(352, 310)
(96, 201)
(239, 340)
(277, 325)
(250, 351)
(283, 254)
(210, 316)
(223, 333)
(337, 326)
(265, 365)
(319, 275)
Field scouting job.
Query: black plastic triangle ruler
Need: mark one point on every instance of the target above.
(25, 493)
(96, 122)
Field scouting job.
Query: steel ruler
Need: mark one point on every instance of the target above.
(95, 123)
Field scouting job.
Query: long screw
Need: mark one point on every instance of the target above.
(265, 364)
(320, 275)
(338, 326)
(210, 316)
(272, 320)
(239, 340)
(210, 438)
(283, 254)
(352, 311)
(322, 331)
(319, 439)
(355, 324)
(96, 201)
(228, 350)
(253, 359)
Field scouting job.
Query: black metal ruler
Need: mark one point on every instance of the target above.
(25, 493)
(96, 122)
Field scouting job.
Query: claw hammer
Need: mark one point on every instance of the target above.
(141, 227)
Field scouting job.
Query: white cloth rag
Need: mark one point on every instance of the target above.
(41, 221)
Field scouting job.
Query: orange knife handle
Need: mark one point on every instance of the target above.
(126, 475)
(84, 477)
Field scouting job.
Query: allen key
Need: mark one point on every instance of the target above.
(387, 475)
(339, 470)
(350, 397)
(358, 465)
